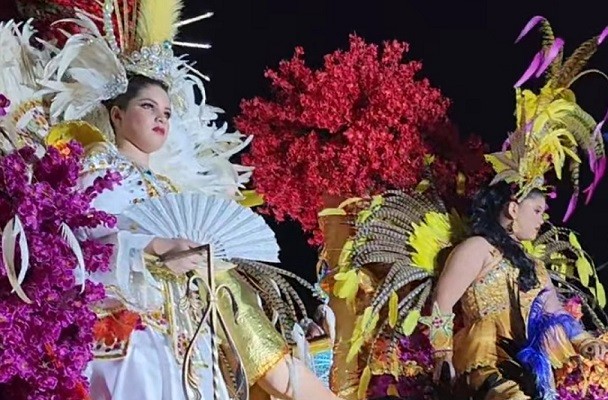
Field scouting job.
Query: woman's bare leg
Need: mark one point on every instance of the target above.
(277, 382)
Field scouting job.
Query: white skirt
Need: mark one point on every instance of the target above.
(149, 371)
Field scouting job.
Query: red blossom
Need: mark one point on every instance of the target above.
(359, 125)
(46, 12)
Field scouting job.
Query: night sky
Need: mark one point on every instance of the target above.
(466, 47)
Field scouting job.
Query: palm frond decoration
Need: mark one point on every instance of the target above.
(402, 235)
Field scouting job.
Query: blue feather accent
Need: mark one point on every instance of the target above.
(533, 355)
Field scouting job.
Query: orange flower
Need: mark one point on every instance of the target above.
(48, 348)
(63, 148)
(116, 327)
(82, 391)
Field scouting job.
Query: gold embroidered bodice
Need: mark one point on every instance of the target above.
(486, 308)
(490, 294)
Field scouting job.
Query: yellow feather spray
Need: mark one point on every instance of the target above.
(157, 19)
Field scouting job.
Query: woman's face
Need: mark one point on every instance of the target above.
(527, 217)
(145, 121)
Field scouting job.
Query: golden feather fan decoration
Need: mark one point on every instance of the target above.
(403, 237)
(157, 21)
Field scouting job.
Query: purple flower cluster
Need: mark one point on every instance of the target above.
(45, 346)
(583, 380)
(415, 359)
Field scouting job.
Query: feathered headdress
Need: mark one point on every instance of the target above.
(23, 114)
(94, 64)
(92, 67)
(551, 126)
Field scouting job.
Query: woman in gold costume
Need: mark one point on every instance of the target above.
(512, 332)
(501, 291)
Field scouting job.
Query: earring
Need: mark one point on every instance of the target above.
(512, 227)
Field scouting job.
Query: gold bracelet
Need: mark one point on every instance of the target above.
(441, 329)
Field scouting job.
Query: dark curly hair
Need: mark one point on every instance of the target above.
(487, 206)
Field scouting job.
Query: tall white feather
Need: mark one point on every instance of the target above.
(83, 74)
(232, 230)
(197, 154)
(74, 245)
(13, 232)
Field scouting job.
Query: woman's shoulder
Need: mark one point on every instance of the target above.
(474, 243)
(476, 248)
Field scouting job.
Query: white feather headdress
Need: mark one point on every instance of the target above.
(197, 154)
(93, 67)
(25, 119)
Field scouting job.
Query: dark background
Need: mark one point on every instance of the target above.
(466, 47)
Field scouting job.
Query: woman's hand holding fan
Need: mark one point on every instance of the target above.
(190, 261)
(190, 219)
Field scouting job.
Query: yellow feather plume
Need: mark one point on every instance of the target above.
(157, 21)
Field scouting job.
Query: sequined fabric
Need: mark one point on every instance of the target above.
(486, 307)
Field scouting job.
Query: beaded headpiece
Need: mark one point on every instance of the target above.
(551, 126)
(137, 39)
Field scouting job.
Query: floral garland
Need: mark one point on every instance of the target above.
(46, 345)
(358, 126)
(581, 378)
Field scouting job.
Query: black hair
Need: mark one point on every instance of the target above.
(136, 84)
(487, 207)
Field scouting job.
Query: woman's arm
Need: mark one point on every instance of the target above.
(128, 282)
(463, 266)
(290, 379)
(583, 342)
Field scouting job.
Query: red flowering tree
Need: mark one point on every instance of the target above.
(360, 125)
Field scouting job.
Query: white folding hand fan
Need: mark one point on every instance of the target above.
(233, 231)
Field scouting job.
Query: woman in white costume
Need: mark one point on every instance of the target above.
(143, 330)
(147, 363)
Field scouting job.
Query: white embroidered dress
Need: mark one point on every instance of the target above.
(145, 366)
